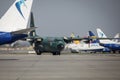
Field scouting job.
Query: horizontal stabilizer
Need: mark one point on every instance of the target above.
(24, 30)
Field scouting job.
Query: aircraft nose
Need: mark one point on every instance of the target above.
(60, 46)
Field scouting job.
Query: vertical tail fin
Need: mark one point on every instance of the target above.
(17, 16)
(74, 41)
(102, 35)
(72, 35)
(92, 35)
(117, 36)
(32, 24)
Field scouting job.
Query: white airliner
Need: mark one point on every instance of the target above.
(114, 46)
(86, 45)
(13, 24)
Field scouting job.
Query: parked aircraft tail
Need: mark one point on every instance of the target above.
(117, 36)
(32, 36)
(32, 25)
(93, 37)
(17, 16)
(102, 35)
(13, 24)
(91, 33)
(72, 35)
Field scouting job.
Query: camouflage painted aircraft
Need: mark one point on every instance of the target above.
(53, 45)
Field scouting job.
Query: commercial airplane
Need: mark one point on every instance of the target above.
(13, 24)
(87, 45)
(114, 46)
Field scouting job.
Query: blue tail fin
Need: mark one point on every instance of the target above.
(93, 37)
(91, 33)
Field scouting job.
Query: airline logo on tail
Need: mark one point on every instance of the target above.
(18, 6)
(101, 34)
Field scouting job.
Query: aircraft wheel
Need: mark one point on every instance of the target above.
(119, 51)
(58, 53)
(38, 52)
(54, 53)
(114, 51)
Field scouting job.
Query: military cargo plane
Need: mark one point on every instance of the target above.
(53, 45)
(45, 44)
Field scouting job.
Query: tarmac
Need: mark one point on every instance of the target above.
(63, 67)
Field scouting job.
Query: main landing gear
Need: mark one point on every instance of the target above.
(56, 53)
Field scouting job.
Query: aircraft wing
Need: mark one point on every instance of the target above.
(94, 37)
(70, 39)
(34, 38)
(24, 30)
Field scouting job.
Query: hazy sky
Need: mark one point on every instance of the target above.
(62, 17)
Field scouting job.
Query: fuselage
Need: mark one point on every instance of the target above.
(7, 37)
(85, 47)
(51, 44)
(112, 46)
